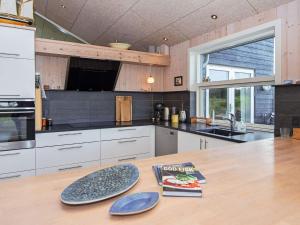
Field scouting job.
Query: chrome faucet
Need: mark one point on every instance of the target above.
(232, 120)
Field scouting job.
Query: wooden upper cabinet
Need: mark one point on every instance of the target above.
(62, 48)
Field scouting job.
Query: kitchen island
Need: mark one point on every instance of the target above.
(255, 183)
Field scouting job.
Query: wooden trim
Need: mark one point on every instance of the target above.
(62, 48)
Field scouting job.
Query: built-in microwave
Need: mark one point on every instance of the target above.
(17, 124)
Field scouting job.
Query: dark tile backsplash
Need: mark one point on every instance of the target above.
(76, 107)
(287, 107)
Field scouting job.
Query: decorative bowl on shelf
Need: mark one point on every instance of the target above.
(119, 45)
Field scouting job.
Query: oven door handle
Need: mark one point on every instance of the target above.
(17, 112)
(19, 108)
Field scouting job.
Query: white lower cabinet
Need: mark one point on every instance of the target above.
(9, 176)
(17, 161)
(67, 154)
(125, 159)
(190, 142)
(66, 167)
(125, 146)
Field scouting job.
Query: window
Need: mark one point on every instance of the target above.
(235, 74)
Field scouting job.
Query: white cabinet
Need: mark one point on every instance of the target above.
(17, 161)
(64, 168)
(123, 144)
(67, 154)
(126, 132)
(190, 142)
(60, 151)
(68, 137)
(17, 75)
(17, 78)
(9, 176)
(17, 42)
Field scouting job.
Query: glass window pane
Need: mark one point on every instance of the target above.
(250, 104)
(218, 101)
(218, 75)
(242, 102)
(240, 75)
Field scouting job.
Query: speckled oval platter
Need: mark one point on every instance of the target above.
(101, 185)
(134, 203)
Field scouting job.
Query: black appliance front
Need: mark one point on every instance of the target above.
(17, 124)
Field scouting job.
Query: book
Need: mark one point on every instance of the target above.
(180, 180)
(158, 175)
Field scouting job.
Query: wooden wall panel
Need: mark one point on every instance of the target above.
(290, 15)
(133, 77)
(178, 67)
(53, 70)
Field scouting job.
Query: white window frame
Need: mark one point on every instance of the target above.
(231, 72)
(272, 28)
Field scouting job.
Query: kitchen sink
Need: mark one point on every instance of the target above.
(221, 132)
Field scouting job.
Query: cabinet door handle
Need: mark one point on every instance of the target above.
(9, 54)
(69, 148)
(125, 159)
(10, 154)
(69, 168)
(127, 129)
(205, 144)
(10, 177)
(130, 141)
(10, 95)
(201, 141)
(69, 134)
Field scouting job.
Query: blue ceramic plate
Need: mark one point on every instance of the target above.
(101, 185)
(135, 203)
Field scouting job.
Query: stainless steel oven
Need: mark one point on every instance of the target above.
(17, 125)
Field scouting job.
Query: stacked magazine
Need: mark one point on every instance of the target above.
(179, 179)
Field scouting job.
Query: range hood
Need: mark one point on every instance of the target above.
(92, 74)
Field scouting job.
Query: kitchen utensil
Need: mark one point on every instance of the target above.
(8, 7)
(173, 110)
(135, 203)
(166, 113)
(285, 132)
(296, 133)
(100, 185)
(118, 45)
(175, 118)
(182, 116)
(123, 108)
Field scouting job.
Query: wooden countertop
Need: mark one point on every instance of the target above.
(255, 183)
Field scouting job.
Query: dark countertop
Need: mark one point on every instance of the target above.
(186, 127)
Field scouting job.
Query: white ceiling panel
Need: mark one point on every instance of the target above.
(146, 22)
(40, 6)
(260, 5)
(130, 28)
(172, 33)
(164, 12)
(65, 17)
(97, 16)
(200, 21)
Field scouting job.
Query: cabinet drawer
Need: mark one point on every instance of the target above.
(126, 132)
(9, 176)
(19, 74)
(16, 43)
(125, 147)
(69, 167)
(64, 138)
(16, 161)
(67, 154)
(125, 159)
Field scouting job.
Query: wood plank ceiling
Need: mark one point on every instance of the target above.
(147, 22)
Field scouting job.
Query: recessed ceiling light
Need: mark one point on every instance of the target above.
(214, 17)
(62, 6)
(165, 39)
